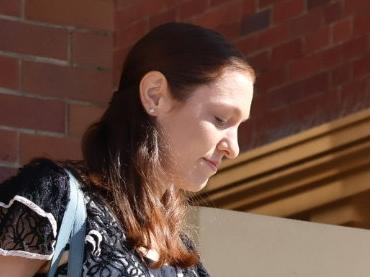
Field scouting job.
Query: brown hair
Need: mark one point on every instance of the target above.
(126, 150)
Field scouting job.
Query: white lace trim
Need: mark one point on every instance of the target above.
(25, 254)
(34, 208)
(151, 254)
(179, 272)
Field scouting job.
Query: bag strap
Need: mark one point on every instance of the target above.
(72, 229)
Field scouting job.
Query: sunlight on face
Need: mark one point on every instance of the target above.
(204, 129)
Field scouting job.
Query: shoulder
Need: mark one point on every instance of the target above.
(41, 183)
(32, 204)
(40, 176)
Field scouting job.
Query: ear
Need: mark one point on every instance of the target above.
(154, 93)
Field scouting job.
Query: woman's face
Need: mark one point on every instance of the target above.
(204, 129)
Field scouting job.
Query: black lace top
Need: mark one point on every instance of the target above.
(32, 205)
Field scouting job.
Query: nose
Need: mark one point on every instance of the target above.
(229, 145)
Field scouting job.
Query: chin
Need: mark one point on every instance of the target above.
(194, 186)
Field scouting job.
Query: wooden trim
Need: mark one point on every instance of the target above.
(299, 173)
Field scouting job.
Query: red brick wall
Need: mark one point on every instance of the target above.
(60, 60)
(313, 59)
(312, 56)
(55, 76)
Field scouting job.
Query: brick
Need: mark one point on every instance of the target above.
(287, 9)
(272, 36)
(217, 2)
(187, 9)
(256, 22)
(270, 79)
(80, 117)
(58, 148)
(298, 91)
(34, 40)
(332, 57)
(331, 99)
(361, 67)
(304, 67)
(342, 30)
(9, 72)
(159, 5)
(8, 146)
(6, 172)
(317, 84)
(355, 47)
(341, 75)
(244, 135)
(93, 49)
(138, 10)
(355, 86)
(308, 23)
(123, 4)
(354, 96)
(314, 110)
(260, 62)
(286, 52)
(249, 7)
(317, 40)
(361, 24)
(230, 31)
(31, 113)
(67, 82)
(334, 12)
(357, 6)
(10, 7)
(127, 37)
(316, 3)
(230, 12)
(95, 14)
(161, 18)
(270, 126)
(119, 56)
(168, 4)
(260, 104)
(248, 44)
(265, 3)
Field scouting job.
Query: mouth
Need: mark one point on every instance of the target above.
(212, 164)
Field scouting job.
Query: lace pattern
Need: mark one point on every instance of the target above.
(108, 252)
(32, 205)
(26, 231)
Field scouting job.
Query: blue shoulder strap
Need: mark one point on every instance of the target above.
(72, 229)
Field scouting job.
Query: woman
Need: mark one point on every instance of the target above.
(184, 92)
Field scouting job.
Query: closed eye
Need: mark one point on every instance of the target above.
(220, 122)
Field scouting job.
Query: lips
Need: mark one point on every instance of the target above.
(212, 164)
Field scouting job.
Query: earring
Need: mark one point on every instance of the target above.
(151, 110)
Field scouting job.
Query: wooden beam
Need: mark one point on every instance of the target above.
(297, 174)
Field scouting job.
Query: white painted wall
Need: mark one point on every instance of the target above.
(241, 244)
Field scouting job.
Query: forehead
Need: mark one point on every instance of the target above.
(233, 89)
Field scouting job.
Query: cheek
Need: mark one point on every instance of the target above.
(193, 140)
(208, 135)
(199, 140)
(191, 135)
